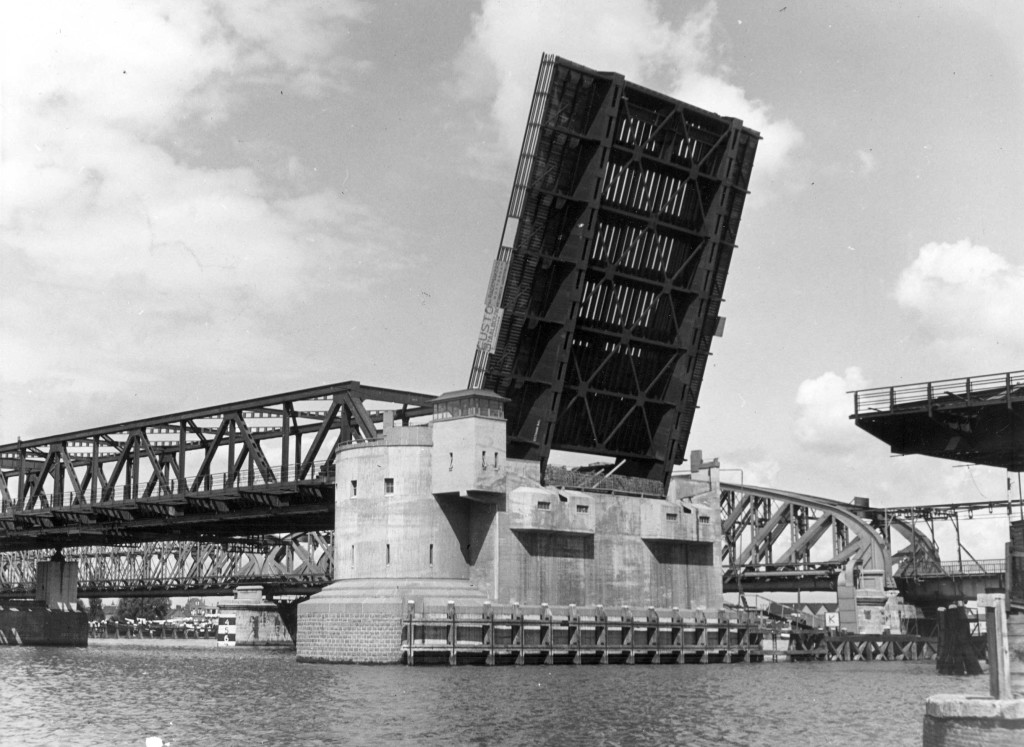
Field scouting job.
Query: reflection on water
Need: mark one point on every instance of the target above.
(190, 692)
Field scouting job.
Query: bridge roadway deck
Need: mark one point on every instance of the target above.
(299, 506)
(244, 469)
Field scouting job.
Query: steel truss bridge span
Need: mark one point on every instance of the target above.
(285, 565)
(773, 540)
(255, 467)
(776, 540)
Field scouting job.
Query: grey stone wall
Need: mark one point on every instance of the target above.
(341, 636)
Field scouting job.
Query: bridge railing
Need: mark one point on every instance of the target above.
(963, 391)
(968, 567)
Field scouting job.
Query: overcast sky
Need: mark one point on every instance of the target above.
(208, 201)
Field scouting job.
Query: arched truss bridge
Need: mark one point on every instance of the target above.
(777, 540)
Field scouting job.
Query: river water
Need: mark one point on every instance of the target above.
(119, 692)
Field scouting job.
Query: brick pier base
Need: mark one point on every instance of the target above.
(360, 621)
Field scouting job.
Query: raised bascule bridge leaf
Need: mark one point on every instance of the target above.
(606, 289)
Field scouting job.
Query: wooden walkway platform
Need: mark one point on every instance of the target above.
(515, 634)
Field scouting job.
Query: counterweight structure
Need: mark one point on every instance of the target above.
(606, 290)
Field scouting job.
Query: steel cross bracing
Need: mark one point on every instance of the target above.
(284, 565)
(611, 269)
(248, 468)
(777, 540)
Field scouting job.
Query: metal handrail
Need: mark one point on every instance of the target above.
(965, 568)
(966, 390)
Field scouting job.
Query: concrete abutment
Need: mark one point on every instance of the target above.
(53, 617)
(436, 513)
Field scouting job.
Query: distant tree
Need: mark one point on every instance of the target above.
(96, 609)
(151, 608)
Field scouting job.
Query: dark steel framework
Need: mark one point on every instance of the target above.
(240, 470)
(606, 290)
(291, 564)
(978, 419)
(775, 540)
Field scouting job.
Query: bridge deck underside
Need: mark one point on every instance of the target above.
(978, 420)
(606, 291)
(216, 514)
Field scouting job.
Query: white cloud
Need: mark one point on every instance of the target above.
(762, 472)
(500, 62)
(120, 259)
(824, 406)
(867, 161)
(967, 299)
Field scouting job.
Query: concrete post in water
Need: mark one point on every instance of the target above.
(987, 722)
(1014, 643)
(998, 651)
(257, 621)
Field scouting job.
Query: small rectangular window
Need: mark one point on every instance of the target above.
(544, 505)
(705, 519)
(582, 509)
(354, 486)
(389, 485)
(483, 460)
(671, 517)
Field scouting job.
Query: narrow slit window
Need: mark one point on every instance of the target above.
(355, 487)
(387, 554)
(431, 555)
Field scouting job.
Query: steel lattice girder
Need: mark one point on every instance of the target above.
(282, 564)
(775, 540)
(606, 290)
(246, 468)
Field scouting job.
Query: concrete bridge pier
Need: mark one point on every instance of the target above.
(258, 621)
(866, 607)
(53, 617)
(436, 514)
